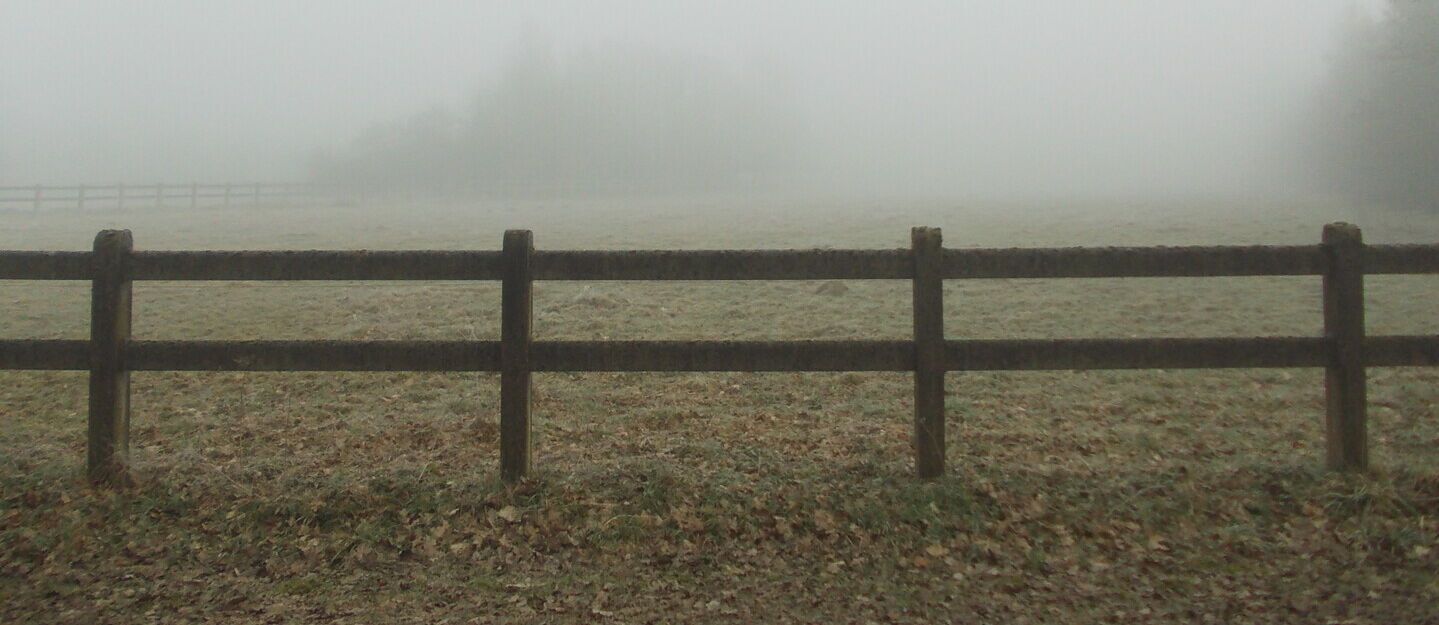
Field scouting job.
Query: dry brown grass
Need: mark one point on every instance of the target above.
(1093, 497)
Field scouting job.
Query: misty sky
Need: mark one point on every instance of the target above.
(993, 97)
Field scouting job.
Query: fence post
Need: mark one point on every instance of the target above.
(515, 336)
(108, 446)
(929, 364)
(1344, 378)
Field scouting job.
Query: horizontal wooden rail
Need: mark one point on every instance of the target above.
(1165, 353)
(313, 356)
(1401, 351)
(45, 354)
(738, 356)
(1133, 262)
(1400, 259)
(1111, 262)
(45, 266)
(723, 356)
(724, 265)
(317, 265)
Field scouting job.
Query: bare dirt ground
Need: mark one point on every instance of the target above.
(1154, 496)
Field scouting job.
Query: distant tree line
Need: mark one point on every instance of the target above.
(1375, 134)
(612, 120)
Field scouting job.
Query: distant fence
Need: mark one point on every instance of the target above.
(192, 195)
(110, 354)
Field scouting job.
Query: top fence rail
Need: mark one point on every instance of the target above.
(1080, 262)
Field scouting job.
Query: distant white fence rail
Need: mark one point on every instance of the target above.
(160, 194)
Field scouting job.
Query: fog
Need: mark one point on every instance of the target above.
(967, 99)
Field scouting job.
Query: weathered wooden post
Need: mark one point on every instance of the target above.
(928, 352)
(108, 447)
(516, 307)
(1344, 378)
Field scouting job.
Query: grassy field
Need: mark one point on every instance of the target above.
(1150, 496)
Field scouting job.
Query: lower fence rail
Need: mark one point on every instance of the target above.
(724, 356)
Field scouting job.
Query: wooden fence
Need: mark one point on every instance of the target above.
(192, 195)
(110, 354)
